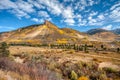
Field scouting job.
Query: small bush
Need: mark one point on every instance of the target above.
(109, 70)
(74, 76)
(71, 52)
(103, 76)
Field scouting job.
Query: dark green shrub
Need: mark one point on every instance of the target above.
(118, 49)
(4, 49)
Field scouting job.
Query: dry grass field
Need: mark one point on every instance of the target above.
(55, 59)
(44, 63)
(64, 55)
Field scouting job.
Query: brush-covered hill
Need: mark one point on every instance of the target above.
(42, 33)
(116, 31)
(106, 36)
(94, 31)
(48, 33)
(103, 35)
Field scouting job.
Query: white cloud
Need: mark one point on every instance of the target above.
(35, 19)
(115, 6)
(91, 2)
(36, 4)
(1, 27)
(58, 9)
(115, 15)
(78, 16)
(25, 6)
(20, 13)
(69, 21)
(115, 27)
(6, 28)
(92, 21)
(68, 0)
(82, 22)
(7, 4)
(43, 14)
(84, 2)
(96, 20)
(108, 27)
(19, 8)
(40, 9)
(52, 5)
(41, 20)
(93, 13)
(68, 13)
(101, 17)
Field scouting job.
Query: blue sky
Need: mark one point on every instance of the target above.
(81, 15)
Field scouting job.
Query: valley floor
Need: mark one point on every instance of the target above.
(65, 54)
(67, 64)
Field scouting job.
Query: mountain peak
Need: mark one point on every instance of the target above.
(47, 22)
(50, 25)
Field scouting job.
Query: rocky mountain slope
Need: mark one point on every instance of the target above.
(50, 33)
(43, 33)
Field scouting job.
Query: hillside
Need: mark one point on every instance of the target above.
(103, 35)
(43, 33)
(116, 31)
(48, 33)
(106, 36)
(94, 31)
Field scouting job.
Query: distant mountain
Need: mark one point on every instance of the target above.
(116, 31)
(103, 35)
(106, 36)
(94, 31)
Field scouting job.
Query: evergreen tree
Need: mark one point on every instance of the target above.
(85, 48)
(118, 49)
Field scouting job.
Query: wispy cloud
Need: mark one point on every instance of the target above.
(43, 14)
(19, 8)
(25, 6)
(108, 27)
(7, 4)
(5, 28)
(52, 5)
(115, 14)
(38, 20)
(115, 6)
(71, 12)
